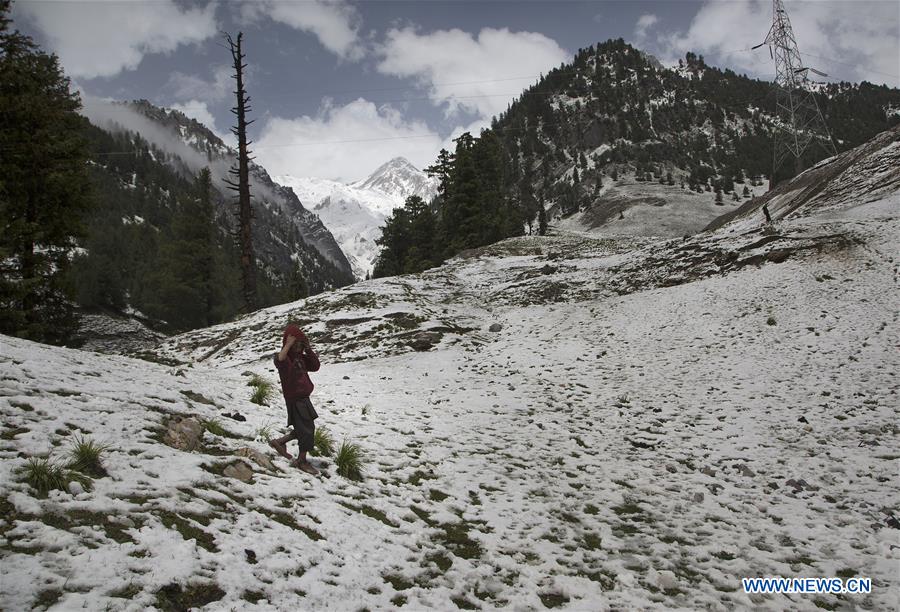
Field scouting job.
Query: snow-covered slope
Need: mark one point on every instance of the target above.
(653, 421)
(867, 173)
(627, 207)
(355, 213)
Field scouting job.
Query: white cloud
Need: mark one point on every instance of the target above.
(479, 75)
(848, 40)
(344, 143)
(199, 111)
(644, 23)
(334, 23)
(101, 39)
(188, 86)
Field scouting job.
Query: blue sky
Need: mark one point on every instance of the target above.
(339, 87)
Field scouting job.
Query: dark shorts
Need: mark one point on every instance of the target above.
(301, 417)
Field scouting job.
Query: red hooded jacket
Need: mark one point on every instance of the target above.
(293, 370)
(295, 382)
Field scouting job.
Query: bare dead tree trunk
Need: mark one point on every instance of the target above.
(242, 173)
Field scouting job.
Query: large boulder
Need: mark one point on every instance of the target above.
(239, 470)
(256, 457)
(184, 433)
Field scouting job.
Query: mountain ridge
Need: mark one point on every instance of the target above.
(355, 212)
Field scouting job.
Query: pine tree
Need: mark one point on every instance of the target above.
(184, 286)
(44, 187)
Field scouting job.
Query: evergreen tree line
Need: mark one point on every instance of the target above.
(479, 202)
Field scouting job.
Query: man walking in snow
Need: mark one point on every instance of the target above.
(294, 361)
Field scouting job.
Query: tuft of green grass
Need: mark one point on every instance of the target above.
(350, 461)
(770, 321)
(256, 380)
(266, 432)
(44, 476)
(263, 390)
(323, 443)
(214, 426)
(86, 457)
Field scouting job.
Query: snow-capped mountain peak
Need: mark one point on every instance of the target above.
(400, 179)
(355, 213)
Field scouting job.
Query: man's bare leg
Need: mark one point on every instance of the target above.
(280, 445)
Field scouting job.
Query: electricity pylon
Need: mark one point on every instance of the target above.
(798, 122)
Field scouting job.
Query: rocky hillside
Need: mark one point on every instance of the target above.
(550, 421)
(151, 150)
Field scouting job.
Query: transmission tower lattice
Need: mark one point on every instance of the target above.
(799, 122)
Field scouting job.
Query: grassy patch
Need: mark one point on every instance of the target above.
(44, 476)
(553, 600)
(350, 461)
(724, 555)
(378, 515)
(214, 426)
(605, 578)
(85, 518)
(424, 515)
(253, 596)
(175, 598)
(398, 582)
(418, 476)
(86, 457)
(455, 538)
(441, 560)
(47, 598)
(323, 444)
(288, 521)
(463, 604)
(10, 434)
(436, 495)
(188, 530)
(399, 600)
(22, 406)
(592, 541)
(628, 508)
(263, 390)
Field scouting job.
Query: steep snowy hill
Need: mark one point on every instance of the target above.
(867, 173)
(355, 213)
(651, 421)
